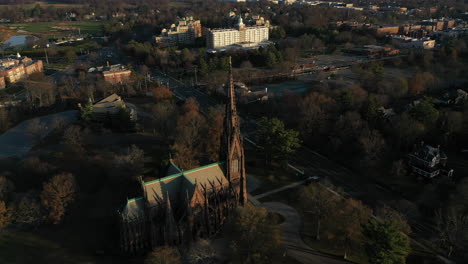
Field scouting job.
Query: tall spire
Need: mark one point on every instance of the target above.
(232, 150)
(231, 92)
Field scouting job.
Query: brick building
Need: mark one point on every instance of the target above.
(113, 74)
(14, 68)
(184, 32)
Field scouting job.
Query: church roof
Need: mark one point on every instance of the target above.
(204, 175)
(182, 182)
(172, 168)
(112, 103)
(134, 208)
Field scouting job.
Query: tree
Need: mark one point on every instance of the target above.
(254, 238)
(6, 188)
(27, 209)
(275, 141)
(351, 218)
(187, 57)
(452, 227)
(57, 194)
(129, 165)
(372, 144)
(202, 252)
(271, 60)
(32, 172)
(162, 93)
(4, 120)
(246, 64)
(70, 54)
(163, 255)
(419, 82)
(73, 139)
(425, 112)
(164, 118)
(371, 112)
(214, 133)
(191, 126)
(5, 215)
(320, 202)
(385, 244)
(395, 218)
(185, 156)
(399, 168)
(315, 111)
(409, 130)
(86, 113)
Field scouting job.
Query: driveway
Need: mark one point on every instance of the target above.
(17, 142)
(291, 237)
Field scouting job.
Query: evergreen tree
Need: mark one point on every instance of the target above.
(385, 244)
(275, 141)
(87, 112)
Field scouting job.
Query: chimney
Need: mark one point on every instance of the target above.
(108, 65)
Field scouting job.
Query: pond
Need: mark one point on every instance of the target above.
(18, 40)
(296, 86)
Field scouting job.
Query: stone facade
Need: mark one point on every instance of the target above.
(186, 205)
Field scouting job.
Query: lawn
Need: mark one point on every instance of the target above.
(27, 247)
(45, 4)
(276, 176)
(50, 29)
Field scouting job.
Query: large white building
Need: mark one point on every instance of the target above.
(241, 35)
(404, 42)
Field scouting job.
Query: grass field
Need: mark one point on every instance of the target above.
(27, 247)
(45, 4)
(62, 28)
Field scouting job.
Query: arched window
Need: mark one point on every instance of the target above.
(235, 165)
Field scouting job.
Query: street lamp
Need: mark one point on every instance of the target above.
(45, 51)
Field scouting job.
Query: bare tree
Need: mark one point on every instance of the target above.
(163, 255)
(452, 227)
(57, 194)
(319, 202)
(5, 215)
(73, 139)
(4, 120)
(202, 252)
(6, 187)
(27, 209)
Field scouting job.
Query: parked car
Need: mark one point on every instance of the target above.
(311, 179)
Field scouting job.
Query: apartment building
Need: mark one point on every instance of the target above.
(15, 68)
(222, 38)
(405, 42)
(185, 31)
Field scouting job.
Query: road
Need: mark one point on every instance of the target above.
(291, 237)
(17, 142)
(289, 186)
(358, 186)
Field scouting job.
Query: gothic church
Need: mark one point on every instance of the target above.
(185, 205)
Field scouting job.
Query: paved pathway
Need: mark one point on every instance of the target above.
(291, 237)
(289, 186)
(17, 142)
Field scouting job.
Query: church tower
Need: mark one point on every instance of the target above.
(232, 148)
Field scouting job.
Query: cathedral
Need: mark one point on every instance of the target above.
(186, 205)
